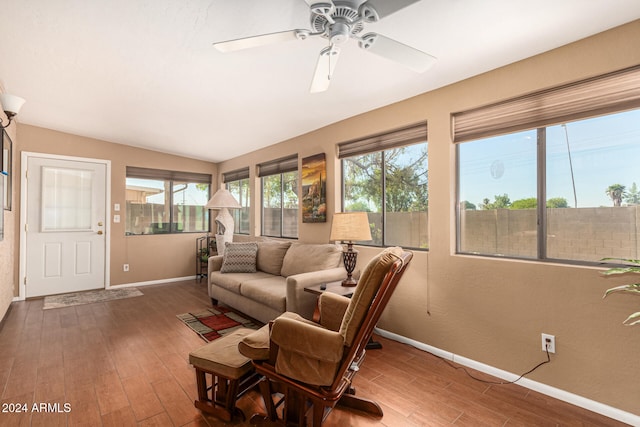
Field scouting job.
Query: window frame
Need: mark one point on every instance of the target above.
(171, 177)
(603, 95)
(413, 134)
(279, 167)
(239, 175)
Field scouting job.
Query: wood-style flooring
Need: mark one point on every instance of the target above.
(125, 363)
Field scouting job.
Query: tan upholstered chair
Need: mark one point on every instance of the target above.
(314, 364)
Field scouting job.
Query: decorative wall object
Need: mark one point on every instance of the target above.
(314, 188)
(2, 183)
(5, 168)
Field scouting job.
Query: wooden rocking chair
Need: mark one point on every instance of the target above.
(312, 365)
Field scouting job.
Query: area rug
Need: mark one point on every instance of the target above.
(215, 322)
(89, 297)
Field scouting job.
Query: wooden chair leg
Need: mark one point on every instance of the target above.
(318, 413)
(361, 404)
(294, 408)
(222, 402)
(267, 396)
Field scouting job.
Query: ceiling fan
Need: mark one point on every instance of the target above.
(338, 21)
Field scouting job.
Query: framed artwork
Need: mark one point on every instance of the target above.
(5, 167)
(314, 188)
(1, 208)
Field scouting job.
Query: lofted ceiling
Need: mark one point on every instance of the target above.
(144, 72)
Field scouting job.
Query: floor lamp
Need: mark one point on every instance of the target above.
(223, 200)
(349, 227)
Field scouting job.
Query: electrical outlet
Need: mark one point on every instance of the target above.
(549, 343)
(125, 267)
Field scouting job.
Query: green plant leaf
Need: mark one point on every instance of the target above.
(633, 317)
(633, 266)
(621, 270)
(628, 261)
(635, 288)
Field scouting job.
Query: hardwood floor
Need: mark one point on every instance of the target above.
(125, 363)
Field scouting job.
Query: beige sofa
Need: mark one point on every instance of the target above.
(265, 279)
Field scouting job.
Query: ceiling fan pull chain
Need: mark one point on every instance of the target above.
(330, 55)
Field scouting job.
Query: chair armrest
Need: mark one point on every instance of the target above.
(303, 302)
(307, 340)
(332, 308)
(214, 263)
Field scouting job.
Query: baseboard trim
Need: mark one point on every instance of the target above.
(152, 282)
(574, 399)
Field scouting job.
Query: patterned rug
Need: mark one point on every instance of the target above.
(212, 323)
(89, 297)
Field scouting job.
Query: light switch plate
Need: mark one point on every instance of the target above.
(116, 218)
(116, 207)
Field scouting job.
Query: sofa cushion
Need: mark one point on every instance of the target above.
(271, 255)
(239, 257)
(304, 258)
(233, 281)
(270, 291)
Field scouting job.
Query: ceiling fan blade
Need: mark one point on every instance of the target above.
(385, 7)
(394, 50)
(255, 41)
(324, 69)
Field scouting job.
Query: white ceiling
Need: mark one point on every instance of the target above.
(144, 72)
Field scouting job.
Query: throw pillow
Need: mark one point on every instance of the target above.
(239, 257)
(270, 256)
(304, 258)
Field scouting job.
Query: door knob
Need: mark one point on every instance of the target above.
(99, 231)
(100, 224)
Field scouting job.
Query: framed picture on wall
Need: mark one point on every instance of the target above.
(5, 168)
(314, 188)
(2, 183)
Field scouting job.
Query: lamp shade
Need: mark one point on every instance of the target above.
(222, 199)
(350, 226)
(11, 104)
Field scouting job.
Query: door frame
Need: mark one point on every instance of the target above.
(24, 161)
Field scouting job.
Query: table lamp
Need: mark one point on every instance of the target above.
(223, 200)
(349, 227)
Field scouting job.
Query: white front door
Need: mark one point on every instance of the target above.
(65, 225)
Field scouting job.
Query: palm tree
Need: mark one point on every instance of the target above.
(616, 192)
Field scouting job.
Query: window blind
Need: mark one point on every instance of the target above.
(235, 175)
(383, 141)
(282, 165)
(605, 94)
(145, 173)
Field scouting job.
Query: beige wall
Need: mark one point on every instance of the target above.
(150, 258)
(8, 249)
(494, 310)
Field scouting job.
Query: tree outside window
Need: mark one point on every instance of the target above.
(391, 186)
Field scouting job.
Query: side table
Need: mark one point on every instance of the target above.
(333, 287)
(345, 291)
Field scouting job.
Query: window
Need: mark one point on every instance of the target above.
(238, 184)
(280, 197)
(563, 191)
(385, 175)
(161, 202)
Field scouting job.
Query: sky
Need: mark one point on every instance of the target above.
(604, 151)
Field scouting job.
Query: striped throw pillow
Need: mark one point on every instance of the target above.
(239, 257)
